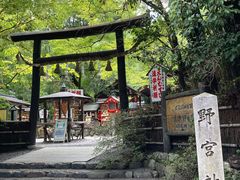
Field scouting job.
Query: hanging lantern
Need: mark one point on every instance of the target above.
(77, 68)
(42, 73)
(91, 66)
(57, 69)
(108, 67)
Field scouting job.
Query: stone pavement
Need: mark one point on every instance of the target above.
(72, 160)
(77, 150)
(56, 155)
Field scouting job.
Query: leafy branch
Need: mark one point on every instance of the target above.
(12, 78)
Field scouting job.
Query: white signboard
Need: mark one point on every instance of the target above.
(60, 130)
(157, 82)
(208, 137)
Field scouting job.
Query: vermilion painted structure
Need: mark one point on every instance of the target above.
(108, 107)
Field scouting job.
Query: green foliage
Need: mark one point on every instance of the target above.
(185, 163)
(196, 40)
(4, 104)
(126, 138)
(124, 131)
(232, 175)
(20, 16)
(210, 47)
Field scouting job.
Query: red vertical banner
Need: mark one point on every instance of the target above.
(157, 82)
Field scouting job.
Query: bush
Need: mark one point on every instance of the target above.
(184, 161)
(125, 137)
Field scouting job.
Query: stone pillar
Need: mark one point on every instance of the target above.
(208, 137)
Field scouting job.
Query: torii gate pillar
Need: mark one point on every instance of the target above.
(121, 72)
(35, 92)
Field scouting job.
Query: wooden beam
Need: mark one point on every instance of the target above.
(35, 92)
(69, 120)
(12, 115)
(59, 109)
(102, 55)
(121, 72)
(20, 113)
(45, 121)
(138, 21)
(166, 137)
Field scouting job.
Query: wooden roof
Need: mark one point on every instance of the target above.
(61, 95)
(14, 100)
(137, 21)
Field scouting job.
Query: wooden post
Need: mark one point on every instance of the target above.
(45, 121)
(166, 138)
(140, 100)
(20, 113)
(59, 109)
(69, 121)
(82, 130)
(82, 116)
(12, 115)
(121, 72)
(82, 113)
(35, 92)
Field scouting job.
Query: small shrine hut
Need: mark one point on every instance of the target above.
(66, 105)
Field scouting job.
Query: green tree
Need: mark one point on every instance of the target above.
(20, 16)
(211, 34)
(198, 40)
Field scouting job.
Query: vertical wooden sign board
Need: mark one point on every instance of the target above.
(208, 138)
(157, 79)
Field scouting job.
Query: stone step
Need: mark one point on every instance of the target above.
(77, 173)
(73, 165)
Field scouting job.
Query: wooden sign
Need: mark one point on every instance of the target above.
(76, 91)
(60, 130)
(157, 80)
(208, 137)
(179, 113)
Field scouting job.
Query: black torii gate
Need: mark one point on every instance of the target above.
(37, 37)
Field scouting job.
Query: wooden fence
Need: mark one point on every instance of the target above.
(17, 133)
(153, 131)
(230, 128)
(229, 123)
(14, 133)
